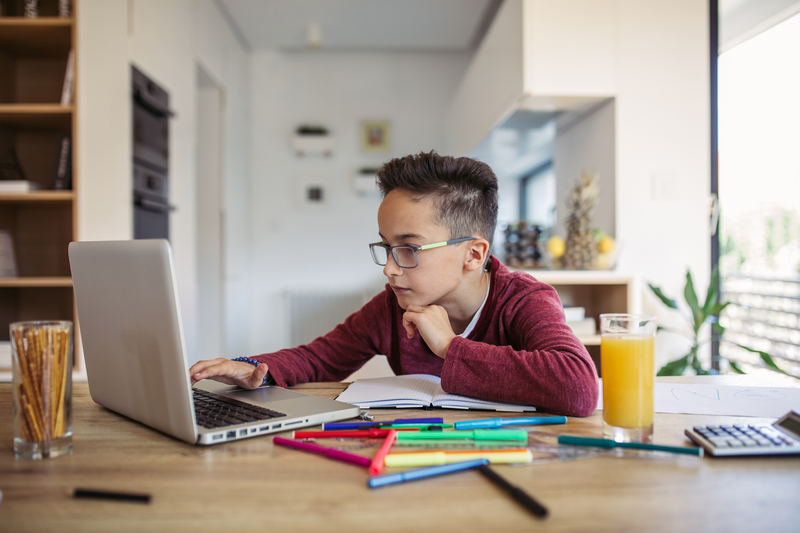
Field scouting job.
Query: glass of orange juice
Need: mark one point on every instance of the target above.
(627, 365)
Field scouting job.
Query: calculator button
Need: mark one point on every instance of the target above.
(750, 443)
(735, 444)
(719, 441)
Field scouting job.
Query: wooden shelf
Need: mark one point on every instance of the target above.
(37, 116)
(36, 197)
(36, 282)
(39, 37)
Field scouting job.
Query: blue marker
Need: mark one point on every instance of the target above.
(421, 473)
(378, 425)
(500, 422)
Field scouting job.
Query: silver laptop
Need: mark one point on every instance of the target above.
(136, 361)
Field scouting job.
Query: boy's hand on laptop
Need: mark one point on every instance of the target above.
(237, 373)
(433, 324)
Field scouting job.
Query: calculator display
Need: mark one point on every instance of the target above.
(790, 424)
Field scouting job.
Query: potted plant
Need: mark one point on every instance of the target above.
(703, 313)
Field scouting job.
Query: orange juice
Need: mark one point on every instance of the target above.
(627, 364)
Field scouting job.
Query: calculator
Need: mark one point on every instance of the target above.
(782, 437)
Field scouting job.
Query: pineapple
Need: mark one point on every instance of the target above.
(581, 246)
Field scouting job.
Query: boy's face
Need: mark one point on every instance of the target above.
(403, 220)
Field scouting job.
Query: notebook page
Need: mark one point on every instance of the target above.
(413, 390)
(454, 401)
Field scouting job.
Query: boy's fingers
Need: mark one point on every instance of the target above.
(257, 377)
(409, 325)
(202, 365)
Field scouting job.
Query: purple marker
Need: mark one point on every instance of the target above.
(330, 453)
(378, 425)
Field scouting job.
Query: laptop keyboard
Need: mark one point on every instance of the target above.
(215, 411)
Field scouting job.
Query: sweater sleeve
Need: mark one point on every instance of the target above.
(542, 364)
(336, 355)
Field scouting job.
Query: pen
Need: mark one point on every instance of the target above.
(515, 492)
(108, 495)
(475, 434)
(377, 462)
(500, 422)
(370, 425)
(411, 475)
(442, 458)
(330, 453)
(346, 434)
(607, 443)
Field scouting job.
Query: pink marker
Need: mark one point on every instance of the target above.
(330, 453)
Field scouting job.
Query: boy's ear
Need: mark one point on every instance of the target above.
(476, 255)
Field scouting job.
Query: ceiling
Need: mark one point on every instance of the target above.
(362, 25)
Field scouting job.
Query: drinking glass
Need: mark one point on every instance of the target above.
(42, 361)
(627, 365)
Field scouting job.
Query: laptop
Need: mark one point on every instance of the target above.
(135, 353)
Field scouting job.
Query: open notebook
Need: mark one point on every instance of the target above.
(416, 390)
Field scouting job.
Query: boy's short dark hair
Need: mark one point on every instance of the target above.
(463, 190)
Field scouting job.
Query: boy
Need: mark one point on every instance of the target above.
(449, 309)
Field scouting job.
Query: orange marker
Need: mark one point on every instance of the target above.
(377, 462)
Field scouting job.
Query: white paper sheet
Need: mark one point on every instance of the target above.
(723, 400)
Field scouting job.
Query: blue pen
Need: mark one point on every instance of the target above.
(500, 422)
(378, 425)
(421, 473)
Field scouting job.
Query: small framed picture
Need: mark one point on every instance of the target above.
(375, 136)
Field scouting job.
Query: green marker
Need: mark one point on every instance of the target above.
(475, 434)
(607, 443)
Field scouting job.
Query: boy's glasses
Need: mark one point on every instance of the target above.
(405, 256)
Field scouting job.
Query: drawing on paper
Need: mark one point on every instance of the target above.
(750, 394)
(694, 395)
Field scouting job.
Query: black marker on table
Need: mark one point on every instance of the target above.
(108, 495)
(517, 493)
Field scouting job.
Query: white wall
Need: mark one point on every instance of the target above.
(166, 40)
(325, 247)
(663, 149)
(587, 145)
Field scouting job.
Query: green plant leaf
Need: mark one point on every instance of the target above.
(716, 309)
(712, 295)
(718, 329)
(674, 368)
(735, 367)
(767, 358)
(691, 299)
(676, 332)
(669, 302)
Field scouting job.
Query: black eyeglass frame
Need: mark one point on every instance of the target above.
(414, 249)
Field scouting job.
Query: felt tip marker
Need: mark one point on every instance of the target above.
(475, 434)
(377, 425)
(330, 453)
(422, 473)
(500, 422)
(378, 461)
(608, 443)
(111, 495)
(442, 458)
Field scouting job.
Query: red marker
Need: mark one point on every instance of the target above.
(377, 462)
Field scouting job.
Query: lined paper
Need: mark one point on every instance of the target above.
(416, 390)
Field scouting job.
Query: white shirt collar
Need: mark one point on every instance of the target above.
(475, 318)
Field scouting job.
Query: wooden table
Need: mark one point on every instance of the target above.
(252, 486)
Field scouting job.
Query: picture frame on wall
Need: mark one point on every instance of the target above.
(375, 136)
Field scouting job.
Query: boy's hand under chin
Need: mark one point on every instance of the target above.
(433, 324)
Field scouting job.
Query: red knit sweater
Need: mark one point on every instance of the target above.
(521, 349)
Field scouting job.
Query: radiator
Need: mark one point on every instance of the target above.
(312, 314)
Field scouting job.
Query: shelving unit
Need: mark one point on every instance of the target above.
(598, 292)
(33, 61)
